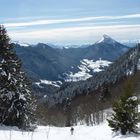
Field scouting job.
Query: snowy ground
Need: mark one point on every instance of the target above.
(81, 132)
(47, 82)
(99, 132)
(86, 68)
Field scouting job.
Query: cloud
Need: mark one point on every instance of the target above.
(59, 21)
(78, 35)
(86, 31)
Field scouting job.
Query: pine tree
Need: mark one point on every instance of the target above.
(16, 105)
(125, 117)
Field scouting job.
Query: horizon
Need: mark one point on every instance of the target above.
(71, 22)
(77, 45)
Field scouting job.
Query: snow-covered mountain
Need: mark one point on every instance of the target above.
(106, 39)
(49, 67)
(53, 64)
(131, 43)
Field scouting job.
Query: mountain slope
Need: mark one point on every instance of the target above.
(107, 49)
(47, 63)
(126, 65)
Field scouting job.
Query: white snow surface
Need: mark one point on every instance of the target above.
(23, 44)
(47, 82)
(97, 132)
(129, 72)
(86, 68)
(81, 132)
(134, 98)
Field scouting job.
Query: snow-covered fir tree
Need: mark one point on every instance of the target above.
(125, 117)
(16, 104)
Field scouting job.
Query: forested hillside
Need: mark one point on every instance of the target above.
(85, 101)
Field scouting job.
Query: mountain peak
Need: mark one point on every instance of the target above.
(106, 39)
(106, 36)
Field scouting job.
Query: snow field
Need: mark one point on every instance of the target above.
(98, 132)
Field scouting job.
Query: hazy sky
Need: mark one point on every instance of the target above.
(70, 21)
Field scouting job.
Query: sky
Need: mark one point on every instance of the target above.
(70, 21)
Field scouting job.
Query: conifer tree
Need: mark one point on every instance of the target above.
(125, 117)
(16, 105)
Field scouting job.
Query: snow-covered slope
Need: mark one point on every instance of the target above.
(81, 132)
(86, 69)
(99, 132)
(47, 82)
